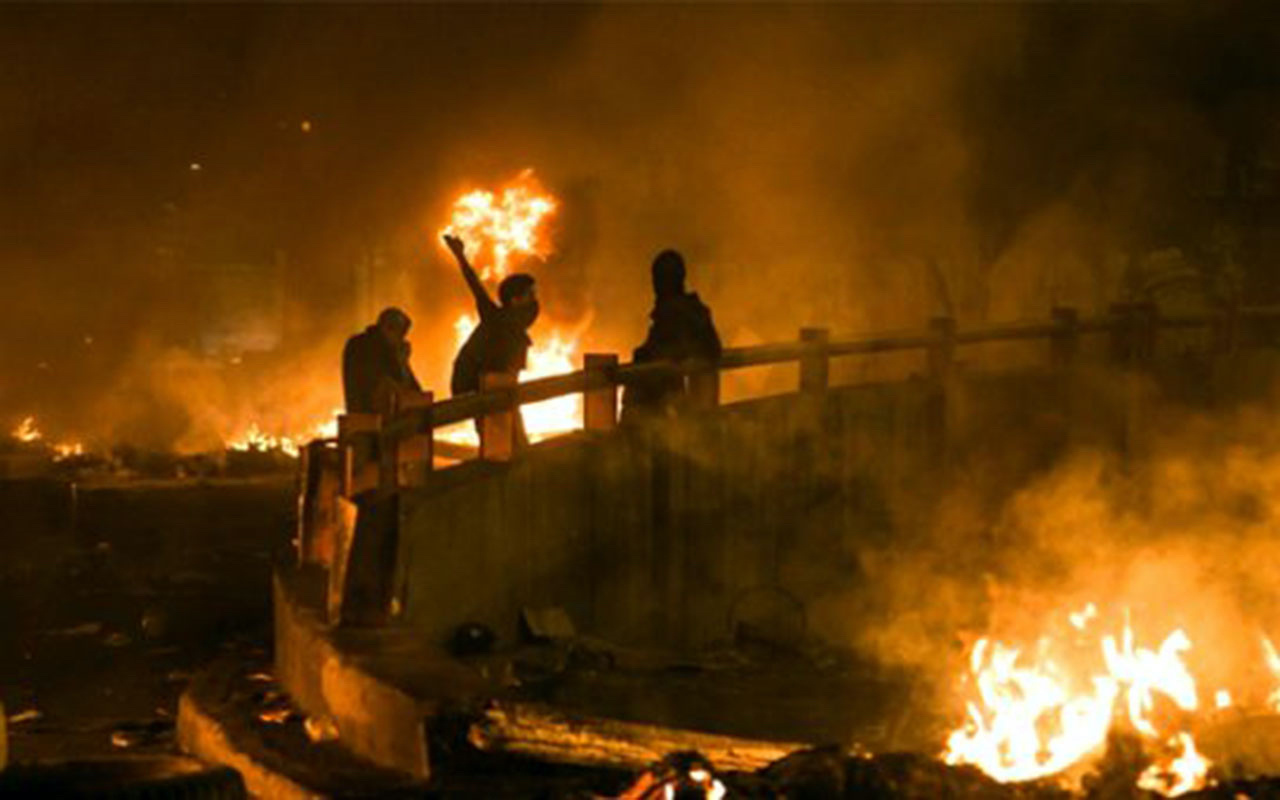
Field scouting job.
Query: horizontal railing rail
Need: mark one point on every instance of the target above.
(1133, 329)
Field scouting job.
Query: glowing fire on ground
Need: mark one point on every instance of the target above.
(498, 228)
(1040, 712)
(254, 439)
(28, 433)
(27, 430)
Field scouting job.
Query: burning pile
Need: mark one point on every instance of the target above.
(1048, 711)
(254, 440)
(28, 434)
(501, 228)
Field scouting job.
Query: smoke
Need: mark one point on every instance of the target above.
(853, 166)
(1177, 532)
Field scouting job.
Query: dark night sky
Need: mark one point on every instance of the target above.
(792, 139)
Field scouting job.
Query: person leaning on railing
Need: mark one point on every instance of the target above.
(375, 362)
(680, 330)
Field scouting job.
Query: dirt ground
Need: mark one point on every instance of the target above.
(111, 596)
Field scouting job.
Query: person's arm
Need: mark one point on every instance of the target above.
(484, 303)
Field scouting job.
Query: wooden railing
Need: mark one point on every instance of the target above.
(401, 450)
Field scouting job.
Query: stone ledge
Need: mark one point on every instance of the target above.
(218, 722)
(378, 685)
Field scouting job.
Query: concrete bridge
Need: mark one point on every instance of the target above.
(748, 516)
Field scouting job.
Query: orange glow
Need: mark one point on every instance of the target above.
(27, 430)
(65, 450)
(503, 225)
(551, 354)
(498, 227)
(1040, 713)
(254, 439)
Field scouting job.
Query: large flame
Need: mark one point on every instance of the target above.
(552, 353)
(499, 227)
(1041, 713)
(503, 225)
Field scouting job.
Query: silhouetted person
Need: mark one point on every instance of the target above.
(500, 343)
(377, 357)
(680, 329)
(375, 363)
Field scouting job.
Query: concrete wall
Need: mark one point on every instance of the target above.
(750, 513)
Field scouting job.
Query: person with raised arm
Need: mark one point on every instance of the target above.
(500, 342)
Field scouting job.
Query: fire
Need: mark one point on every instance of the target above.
(1039, 714)
(64, 450)
(254, 439)
(552, 354)
(499, 226)
(27, 431)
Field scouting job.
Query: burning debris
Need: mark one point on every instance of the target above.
(1052, 711)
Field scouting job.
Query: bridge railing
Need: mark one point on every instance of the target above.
(401, 449)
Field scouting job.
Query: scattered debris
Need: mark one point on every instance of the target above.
(141, 734)
(681, 774)
(551, 623)
(321, 729)
(278, 715)
(262, 677)
(117, 639)
(84, 629)
(471, 639)
(276, 708)
(30, 715)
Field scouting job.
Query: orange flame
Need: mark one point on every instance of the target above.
(254, 439)
(1038, 716)
(553, 354)
(499, 226)
(27, 430)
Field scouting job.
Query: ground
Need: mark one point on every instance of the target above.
(111, 596)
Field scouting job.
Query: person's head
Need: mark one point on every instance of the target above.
(668, 274)
(394, 324)
(518, 292)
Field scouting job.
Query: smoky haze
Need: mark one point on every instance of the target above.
(203, 201)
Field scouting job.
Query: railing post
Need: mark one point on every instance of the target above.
(1148, 329)
(1133, 340)
(1226, 330)
(415, 452)
(704, 387)
(498, 429)
(357, 438)
(942, 348)
(815, 363)
(1065, 341)
(320, 476)
(600, 402)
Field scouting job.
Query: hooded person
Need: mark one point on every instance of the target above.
(680, 329)
(377, 357)
(500, 342)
